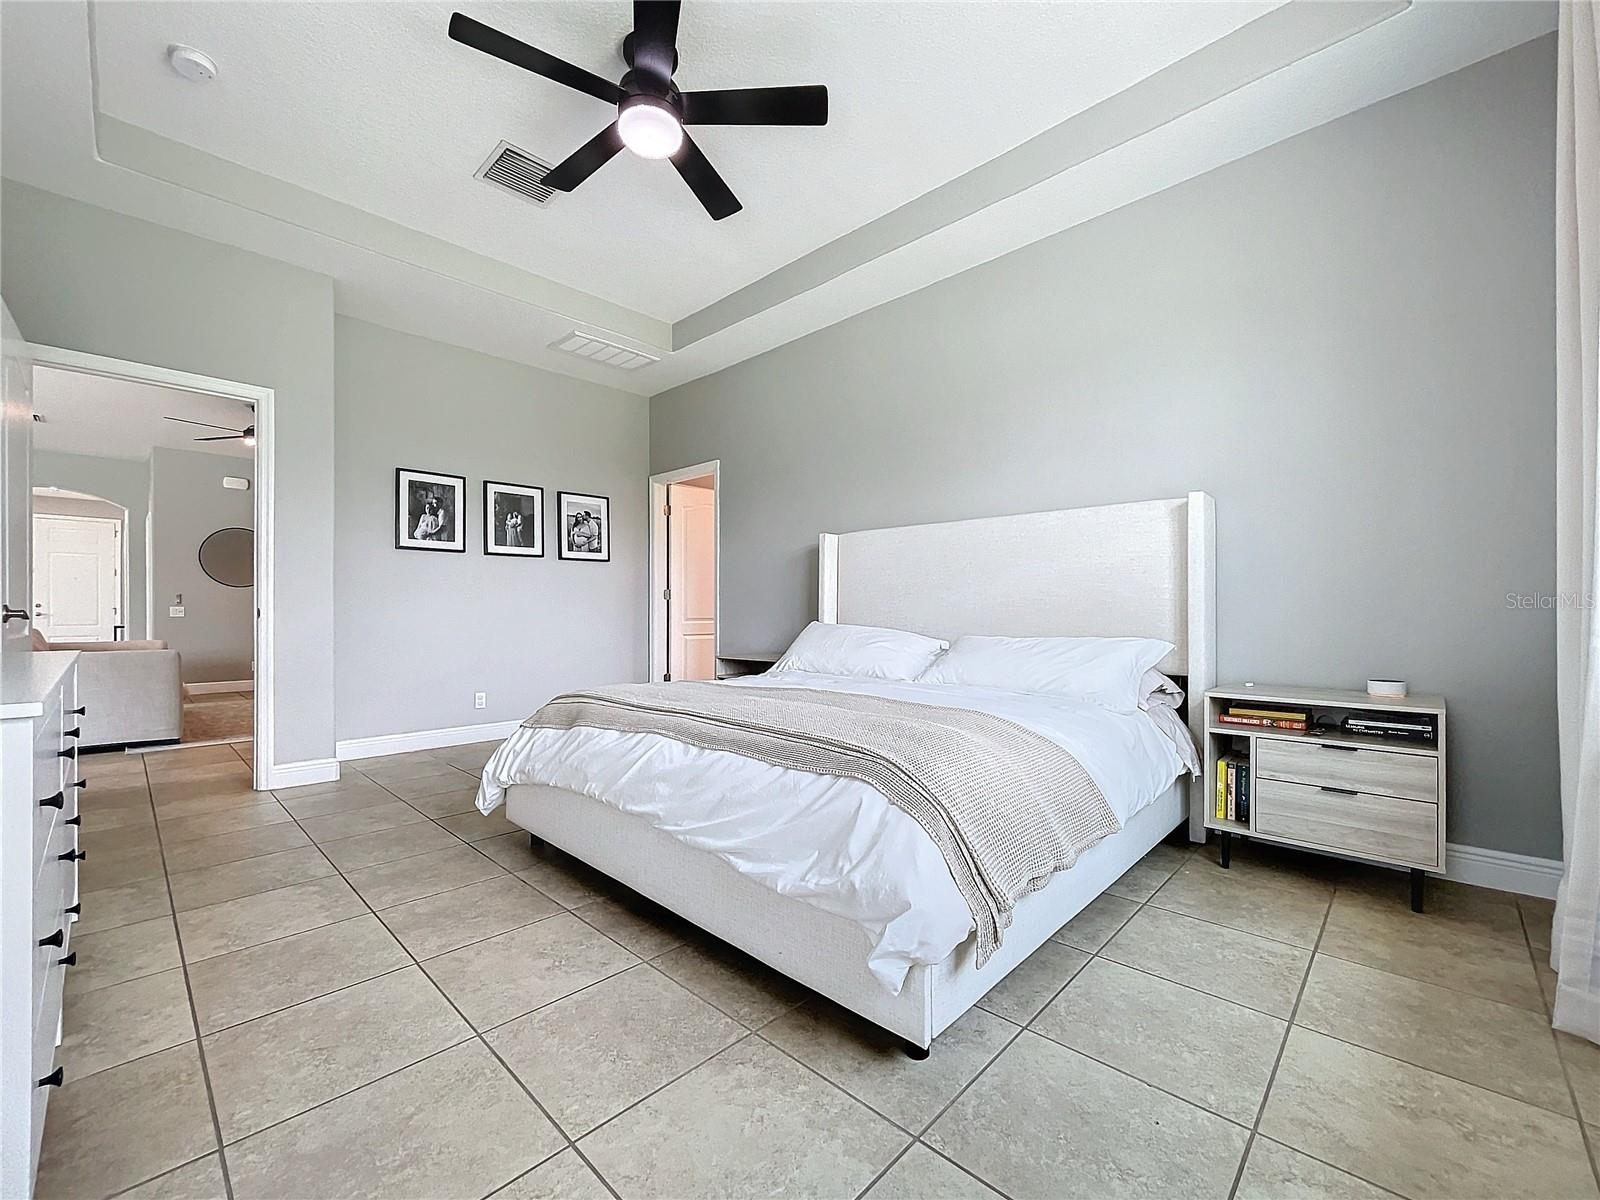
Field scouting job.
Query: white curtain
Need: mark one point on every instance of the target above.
(1575, 941)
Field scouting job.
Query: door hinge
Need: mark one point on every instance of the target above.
(666, 677)
(666, 593)
(666, 510)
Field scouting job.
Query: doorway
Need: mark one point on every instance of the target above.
(194, 454)
(77, 569)
(684, 573)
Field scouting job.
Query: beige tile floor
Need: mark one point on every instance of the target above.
(365, 989)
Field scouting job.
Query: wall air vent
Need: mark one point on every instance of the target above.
(598, 349)
(517, 171)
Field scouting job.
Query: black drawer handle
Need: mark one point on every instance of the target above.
(72, 856)
(75, 909)
(68, 960)
(81, 711)
(1346, 749)
(54, 1079)
(76, 731)
(55, 801)
(55, 939)
(1339, 791)
(79, 783)
(74, 820)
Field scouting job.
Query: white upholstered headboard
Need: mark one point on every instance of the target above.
(1146, 569)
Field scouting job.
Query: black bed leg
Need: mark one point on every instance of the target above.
(1417, 878)
(1225, 849)
(916, 1052)
(534, 841)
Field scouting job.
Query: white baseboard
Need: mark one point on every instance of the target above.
(1520, 873)
(225, 685)
(297, 774)
(423, 739)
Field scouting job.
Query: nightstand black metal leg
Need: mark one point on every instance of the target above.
(535, 842)
(1417, 878)
(914, 1051)
(1226, 848)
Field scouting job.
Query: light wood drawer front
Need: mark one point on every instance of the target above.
(1381, 827)
(1381, 772)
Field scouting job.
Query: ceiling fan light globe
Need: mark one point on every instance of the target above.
(649, 127)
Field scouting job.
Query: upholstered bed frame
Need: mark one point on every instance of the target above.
(1145, 569)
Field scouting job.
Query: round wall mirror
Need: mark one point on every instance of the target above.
(229, 557)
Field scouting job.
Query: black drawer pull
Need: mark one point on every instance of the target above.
(81, 711)
(68, 960)
(1339, 791)
(1346, 749)
(72, 856)
(54, 1079)
(55, 939)
(74, 820)
(75, 909)
(76, 731)
(55, 801)
(79, 783)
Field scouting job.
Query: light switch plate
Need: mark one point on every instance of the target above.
(175, 610)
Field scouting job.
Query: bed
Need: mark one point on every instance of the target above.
(1144, 569)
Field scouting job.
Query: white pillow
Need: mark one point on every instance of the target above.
(1105, 671)
(860, 650)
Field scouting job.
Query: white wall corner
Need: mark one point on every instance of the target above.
(423, 739)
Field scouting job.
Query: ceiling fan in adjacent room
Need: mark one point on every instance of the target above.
(651, 111)
(247, 435)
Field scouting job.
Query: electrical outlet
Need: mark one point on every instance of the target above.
(175, 610)
(480, 699)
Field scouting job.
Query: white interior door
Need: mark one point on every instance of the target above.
(77, 584)
(692, 582)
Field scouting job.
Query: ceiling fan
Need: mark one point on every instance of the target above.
(247, 435)
(651, 111)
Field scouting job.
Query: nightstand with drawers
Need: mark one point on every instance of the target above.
(1364, 796)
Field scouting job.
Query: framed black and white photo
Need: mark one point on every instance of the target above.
(430, 511)
(513, 519)
(583, 523)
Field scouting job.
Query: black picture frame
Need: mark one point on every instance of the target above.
(599, 510)
(491, 523)
(405, 537)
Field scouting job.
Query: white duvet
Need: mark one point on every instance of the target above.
(836, 843)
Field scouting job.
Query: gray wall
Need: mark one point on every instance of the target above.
(88, 279)
(419, 632)
(122, 481)
(216, 634)
(1347, 338)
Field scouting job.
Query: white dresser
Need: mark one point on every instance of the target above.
(39, 790)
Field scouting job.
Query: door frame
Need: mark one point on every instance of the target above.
(262, 400)
(658, 556)
(120, 527)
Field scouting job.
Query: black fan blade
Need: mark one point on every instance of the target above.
(803, 105)
(491, 41)
(655, 37)
(585, 161)
(704, 181)
(232, 437)
(207, 424)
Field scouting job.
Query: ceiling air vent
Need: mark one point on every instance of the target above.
(517, 171)
(597, 349)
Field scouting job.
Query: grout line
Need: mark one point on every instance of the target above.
(1591, 1144)
(889, 1166)
(194, 1012)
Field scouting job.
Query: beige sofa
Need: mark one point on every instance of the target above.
(132, 691)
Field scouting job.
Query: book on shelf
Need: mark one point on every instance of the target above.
(1278, 714)
(1233, 788)
(1296, 723)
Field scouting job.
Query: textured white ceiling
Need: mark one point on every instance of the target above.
(373, 105)
(115, 418)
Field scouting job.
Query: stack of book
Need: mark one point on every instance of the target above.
(1233, 788)
(1415, 727)
(1264, 717)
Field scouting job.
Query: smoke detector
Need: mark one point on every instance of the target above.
(194, 65)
